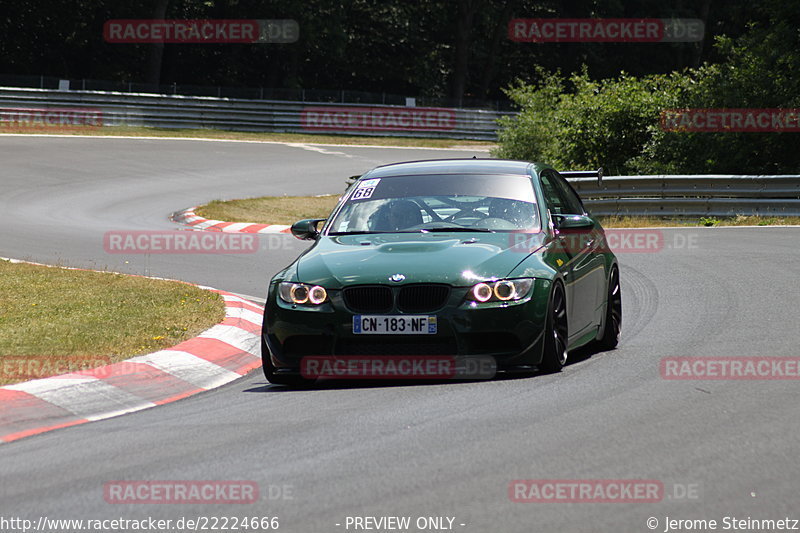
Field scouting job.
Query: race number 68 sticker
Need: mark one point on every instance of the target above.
(365, 189)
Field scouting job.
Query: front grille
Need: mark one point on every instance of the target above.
(368, 299)
(418, 298)
(422, 298)
(389, 346)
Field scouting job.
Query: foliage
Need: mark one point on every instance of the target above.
(578, 123)
(434, 48)
(583, 123)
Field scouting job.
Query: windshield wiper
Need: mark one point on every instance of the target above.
(424, 230)
(365, 232)
(459, 228)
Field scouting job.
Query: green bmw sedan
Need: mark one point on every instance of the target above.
(457, 259)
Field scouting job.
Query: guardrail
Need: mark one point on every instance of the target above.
(332, 96)
(674, 196)
(691, 196)
(194, 112)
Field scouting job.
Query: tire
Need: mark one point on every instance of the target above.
(556, 333)
(612, 324)
(293, 380)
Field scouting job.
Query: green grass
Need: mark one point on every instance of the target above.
(270, 209)
(130, 131)
(740, 220)
(59, 314)
(290, 209)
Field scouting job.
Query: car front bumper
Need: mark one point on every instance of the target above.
(510, 332)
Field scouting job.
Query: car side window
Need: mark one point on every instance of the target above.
(551, 196)
(560, 197)
(570, 196)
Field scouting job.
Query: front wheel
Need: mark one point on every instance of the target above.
(556, 333)
(613, 320)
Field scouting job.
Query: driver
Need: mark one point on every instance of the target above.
(396, 215)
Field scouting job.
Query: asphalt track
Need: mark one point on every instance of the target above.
(412, 450)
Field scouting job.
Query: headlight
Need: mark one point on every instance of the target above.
(317, 295)
(505, 290)
(301, 293)
(481, 292)
(500, 291)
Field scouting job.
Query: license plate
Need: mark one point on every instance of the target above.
(394, 325)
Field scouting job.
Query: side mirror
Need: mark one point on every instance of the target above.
(563, 222)
(306, 230)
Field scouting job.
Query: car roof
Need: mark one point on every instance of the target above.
(452, 166)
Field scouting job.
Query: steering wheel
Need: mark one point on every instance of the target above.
(495, 223)
(464, 212)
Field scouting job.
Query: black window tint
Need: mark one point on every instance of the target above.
(564, 200)
(551, 196)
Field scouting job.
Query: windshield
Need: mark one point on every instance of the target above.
(438, 203)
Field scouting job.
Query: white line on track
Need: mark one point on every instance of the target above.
(296, 145)
(316, 148)
(255, 299)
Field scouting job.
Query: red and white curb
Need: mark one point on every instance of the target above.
(217, 356)
(188, 217)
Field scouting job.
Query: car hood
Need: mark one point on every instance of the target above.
(458, 259)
